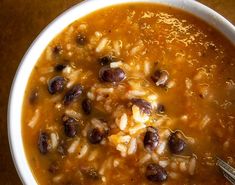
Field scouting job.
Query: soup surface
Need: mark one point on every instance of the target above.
(132, 94)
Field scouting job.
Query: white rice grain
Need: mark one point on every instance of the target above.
(101, 45)
(67, 70)
(161, 147)
(103, 178)
(98, 34)
(132, 146)
(155, 157)
(206, 119)
(42, 79)
(73, 76)
(58, 178)
(97, 123)
(117, 45)
(144, 159)
(116, 163)
(136, 128)
(54, 140)
(124, 139)
(171, 84)
(134, 93)
(123, 122)
(34, 119)
(188, 83)
(73, 146)
(73, 113)
(49, 53)
(183, 167)
(115, 64)
(100, 98)
(138, 116)
(192, 165)
(173, 175)
(147, 67)
(122, 148)
(83, 26)
(139, 46)
(164, 163)
(152, 97)
(105, 90)
(83, 151)
(174, 165)
(91, 95)
(93, 155)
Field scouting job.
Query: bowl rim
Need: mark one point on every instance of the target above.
(16, 96)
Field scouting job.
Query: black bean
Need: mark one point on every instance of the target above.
(54, 167)
(176, 144)
(160, 78)
(43, 142)
(151, 138)
(106, 60)
(86, 106)
(95, 136)
(108, 74)
(81, 39)
(143, 105)
(60, 67)
(73, 94)
(91, 173)
(70, 129)
(70, 126)
(57, 50)
(161, 109)
(33, 96)
(156, 173)
(56, 85)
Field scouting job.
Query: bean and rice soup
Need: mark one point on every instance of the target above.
(132, 94)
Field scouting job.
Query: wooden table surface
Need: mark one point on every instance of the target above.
(20, 22)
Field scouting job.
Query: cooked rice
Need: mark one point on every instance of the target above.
(163, 163)
(138, 116)
(58, 178)
(144, 159)
(90, 95)
(116, 163)
(73, 113)
(54, 140)
(192, 165)
(72, 78)
(83, 151)
(134, 93)
(183, 166)
(101, 44)
(161, 147)
(173, 175)
(132, 146)
(138, 127)
(34, 119)
(123, 122)
(115, 64)
(147, 67)
(122, 148)
(73, 146)
(117, 45)
(105, 90)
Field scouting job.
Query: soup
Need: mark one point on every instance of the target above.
(132, 94)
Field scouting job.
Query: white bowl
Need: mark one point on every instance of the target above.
(54, 28)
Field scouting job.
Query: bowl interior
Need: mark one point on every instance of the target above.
(54, 28)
